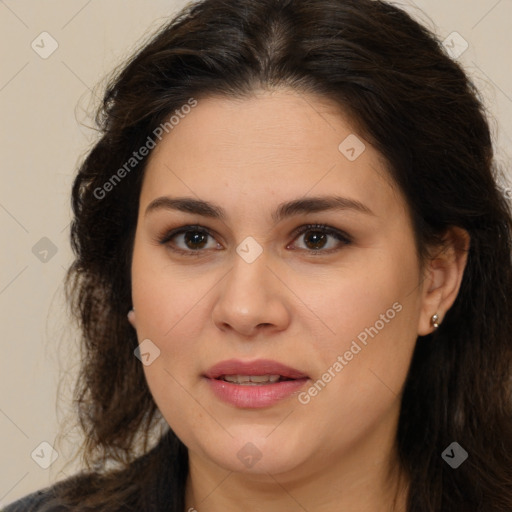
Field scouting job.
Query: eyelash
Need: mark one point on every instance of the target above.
(322, 228)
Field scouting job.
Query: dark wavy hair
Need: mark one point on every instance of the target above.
(422, 113)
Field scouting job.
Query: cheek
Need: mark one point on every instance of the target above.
(166, 308)
(373, 299)
(163, 297)
(171, 311)
(371, 315)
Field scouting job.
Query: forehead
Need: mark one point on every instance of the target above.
(281, 144)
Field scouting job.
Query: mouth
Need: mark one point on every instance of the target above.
(258, 371)
(254, 384)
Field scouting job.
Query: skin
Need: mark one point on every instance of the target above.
(289, 305)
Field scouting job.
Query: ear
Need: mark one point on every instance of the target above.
(131, 317)
(443, 276)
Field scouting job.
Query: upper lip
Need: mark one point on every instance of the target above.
(257, 367)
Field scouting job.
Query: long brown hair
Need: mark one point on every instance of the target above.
(420, 110)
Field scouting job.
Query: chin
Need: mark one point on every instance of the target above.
(256, 453)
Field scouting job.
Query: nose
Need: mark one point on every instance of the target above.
(251, 299)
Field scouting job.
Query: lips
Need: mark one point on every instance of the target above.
(256, 384)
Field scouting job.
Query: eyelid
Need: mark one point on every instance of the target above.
(340, 235)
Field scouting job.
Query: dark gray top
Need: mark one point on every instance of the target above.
(35, 502)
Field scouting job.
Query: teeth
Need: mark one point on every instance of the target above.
(251, 380)
(264, 378)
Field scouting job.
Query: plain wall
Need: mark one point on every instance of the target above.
(45, 104)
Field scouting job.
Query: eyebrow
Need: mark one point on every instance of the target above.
(284, 210)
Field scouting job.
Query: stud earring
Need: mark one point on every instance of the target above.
(435, 321)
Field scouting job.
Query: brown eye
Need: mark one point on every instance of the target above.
(316, 238)
(195, 239)
(190, 240)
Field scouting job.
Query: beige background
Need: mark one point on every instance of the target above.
(46, 107)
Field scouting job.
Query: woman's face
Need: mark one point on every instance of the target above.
(339, 309)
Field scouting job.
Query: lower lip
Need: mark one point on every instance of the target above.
(262, 395)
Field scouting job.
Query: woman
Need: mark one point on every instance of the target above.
(293, 272)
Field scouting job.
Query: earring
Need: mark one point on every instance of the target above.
(435, 321)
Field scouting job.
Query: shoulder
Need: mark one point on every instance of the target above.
(45, 500)
(36, 501)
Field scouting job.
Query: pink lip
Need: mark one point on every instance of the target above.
(247, 396)
(258, 367)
